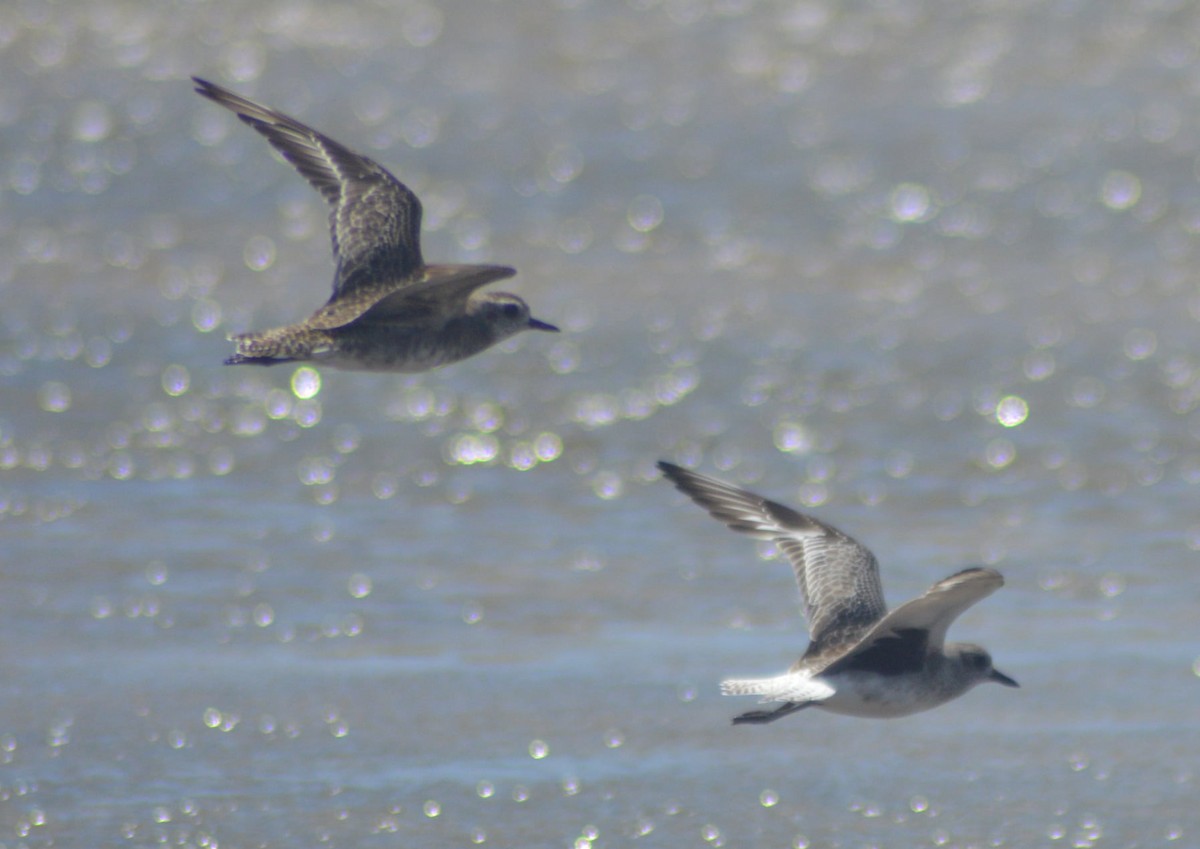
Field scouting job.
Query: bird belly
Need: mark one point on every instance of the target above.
(865, 694)
(392, 349)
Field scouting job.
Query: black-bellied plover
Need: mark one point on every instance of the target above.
(389, 310)
(862, 660)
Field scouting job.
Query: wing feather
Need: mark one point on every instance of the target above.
(374, 219)
(838, 578)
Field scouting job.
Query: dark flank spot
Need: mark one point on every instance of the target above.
(901, 654)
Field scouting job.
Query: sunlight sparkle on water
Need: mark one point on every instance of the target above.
(206, 315)
(564, 163)
(910, 202)
(793, 438)
(607, 485)
(1000, 453)
(1012, 411)
(54, 397)
(306, 383)
(548, 447)
(359, 585)
(176, 380)
(469, 448)
(259, 253)
(1120, 190)
(645, 213)
(1140, 343)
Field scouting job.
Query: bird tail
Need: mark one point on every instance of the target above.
(792, 687)
(766, 687)
(268, 347)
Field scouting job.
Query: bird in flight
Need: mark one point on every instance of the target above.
(389, 310)
(861, 660)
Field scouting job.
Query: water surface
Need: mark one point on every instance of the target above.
(927, 273)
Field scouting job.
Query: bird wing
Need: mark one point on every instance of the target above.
(436, 291)
(838, 578)
(374, 220)
(941, 604)
(900, 640)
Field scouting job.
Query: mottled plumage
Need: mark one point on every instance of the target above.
(862, 660)
(389, 311)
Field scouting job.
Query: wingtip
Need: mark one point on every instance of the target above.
(210, 90)
(671, 473)
(668, 468)
(685, 480)
(975, 573)
(217, 94)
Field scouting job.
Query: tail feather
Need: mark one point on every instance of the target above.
(268, 347)
(750, 687)
(792, 687)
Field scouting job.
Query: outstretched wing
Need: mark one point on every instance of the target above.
(838, 578)
(900, 641)
(374, 220)
(436, 291)
(941, 604)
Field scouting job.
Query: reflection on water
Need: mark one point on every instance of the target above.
(930, 276)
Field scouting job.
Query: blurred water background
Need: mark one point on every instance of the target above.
(927, 269)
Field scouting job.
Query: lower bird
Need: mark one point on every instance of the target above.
(389, 310)
(862, 660)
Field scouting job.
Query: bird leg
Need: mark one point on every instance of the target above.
(762, 717)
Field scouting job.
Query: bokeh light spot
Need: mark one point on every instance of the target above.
(306, 383)
(1012, 411)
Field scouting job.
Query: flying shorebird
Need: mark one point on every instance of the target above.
(389, 310)
(862, 660)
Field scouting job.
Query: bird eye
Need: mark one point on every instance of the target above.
(511, 310)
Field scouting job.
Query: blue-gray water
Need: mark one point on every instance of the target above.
(927, 269)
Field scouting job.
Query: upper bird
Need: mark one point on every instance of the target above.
(389, 310)
(862, 660)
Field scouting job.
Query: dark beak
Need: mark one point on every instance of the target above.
(541, 325)
(1000, 678)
